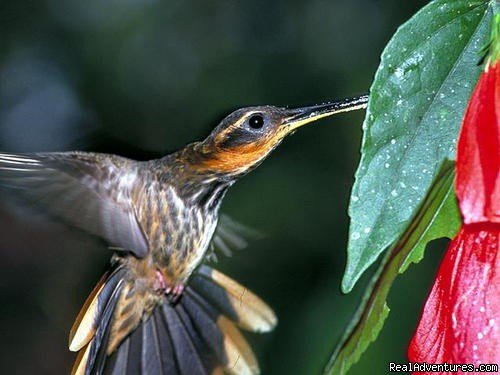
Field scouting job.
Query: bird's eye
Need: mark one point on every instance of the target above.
(256, 122)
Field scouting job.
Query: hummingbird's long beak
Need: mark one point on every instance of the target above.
(305, 115)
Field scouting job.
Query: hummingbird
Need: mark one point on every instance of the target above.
(160, 309)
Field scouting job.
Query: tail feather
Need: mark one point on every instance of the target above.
(235, 353)
(204, 347)
(83, 328)
(196, 336)
(189, 351)
(87, 320)
(118, 364)
(90, 332)
(152, 351)
(241, 360)
(97, 353)
(234, 300)
(135, 357)
(81, 361)
(165, 346)
(205, 318)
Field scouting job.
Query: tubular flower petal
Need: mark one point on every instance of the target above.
(460, 322)
(461, 319)
(478, 156)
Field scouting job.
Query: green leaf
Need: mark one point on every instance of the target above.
(437, 217)
(417, 100)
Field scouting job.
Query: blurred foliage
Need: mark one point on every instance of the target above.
(141, 78)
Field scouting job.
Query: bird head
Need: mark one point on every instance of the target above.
(244, 138)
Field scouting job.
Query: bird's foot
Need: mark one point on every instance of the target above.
(173, 293)
(160, 282)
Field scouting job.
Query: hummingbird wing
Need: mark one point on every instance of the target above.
(90, 191)
(231, 235)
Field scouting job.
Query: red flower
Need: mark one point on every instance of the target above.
(461, 318)
(478, 156)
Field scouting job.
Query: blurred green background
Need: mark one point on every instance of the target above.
(141, 78)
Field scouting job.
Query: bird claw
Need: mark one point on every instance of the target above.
(178, 290)
(160, 283)
(173, 293)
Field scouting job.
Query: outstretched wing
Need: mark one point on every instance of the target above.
(90, 191)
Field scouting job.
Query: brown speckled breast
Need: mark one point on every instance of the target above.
(178, 220)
